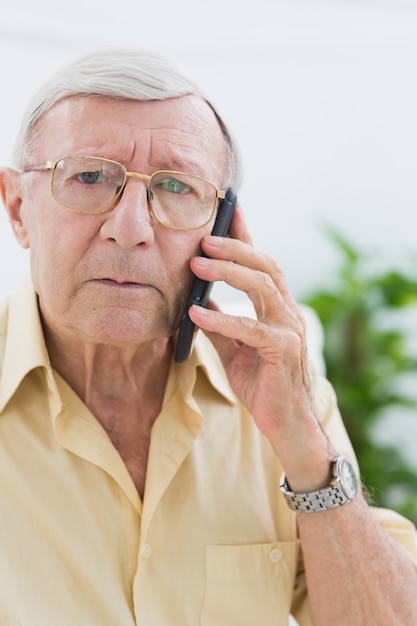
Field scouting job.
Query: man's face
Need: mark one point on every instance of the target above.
(118, 276)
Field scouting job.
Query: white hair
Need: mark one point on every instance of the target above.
(123, 73)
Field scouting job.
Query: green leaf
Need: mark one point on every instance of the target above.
(367, 358)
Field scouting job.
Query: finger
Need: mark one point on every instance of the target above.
(275, 345)
(269, 305)
(224, 346)
(246, 255)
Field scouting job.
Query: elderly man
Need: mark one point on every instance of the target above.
(137, 490)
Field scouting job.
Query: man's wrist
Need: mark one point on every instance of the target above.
(341, 489)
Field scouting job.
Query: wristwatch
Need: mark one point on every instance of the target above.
(343, 488)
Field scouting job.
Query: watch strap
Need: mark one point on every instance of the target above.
(320, 500)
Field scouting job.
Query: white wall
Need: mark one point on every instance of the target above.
(322, 96)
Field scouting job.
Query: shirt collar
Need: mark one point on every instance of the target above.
(24, 348)
(204, 359)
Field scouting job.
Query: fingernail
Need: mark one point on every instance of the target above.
(215, 241)
(202, 310)
(202, 260)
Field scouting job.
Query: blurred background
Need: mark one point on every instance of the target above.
(321, 95)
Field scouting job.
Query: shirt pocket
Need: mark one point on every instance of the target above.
(249, 585)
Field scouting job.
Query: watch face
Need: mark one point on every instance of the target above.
(348, 479)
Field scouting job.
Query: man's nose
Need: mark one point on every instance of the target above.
(130, 223)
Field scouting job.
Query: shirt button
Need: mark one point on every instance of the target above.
(146, 551)
(275, 555)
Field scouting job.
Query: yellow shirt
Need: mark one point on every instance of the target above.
(213, 543)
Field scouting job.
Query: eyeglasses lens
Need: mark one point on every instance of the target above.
(93, 185)
(182, 201)
(87, 185)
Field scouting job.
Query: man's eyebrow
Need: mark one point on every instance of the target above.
(180, 162)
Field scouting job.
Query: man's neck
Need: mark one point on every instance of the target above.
(123, 388)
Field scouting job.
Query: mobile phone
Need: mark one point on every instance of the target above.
(200, 290)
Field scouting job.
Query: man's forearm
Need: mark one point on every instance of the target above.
(356, 573)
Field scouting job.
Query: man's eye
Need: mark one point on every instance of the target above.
(90, 178)
(173, 185)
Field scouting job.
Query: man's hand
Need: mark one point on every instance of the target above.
(265, 358)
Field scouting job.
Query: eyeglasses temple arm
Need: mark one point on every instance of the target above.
(41, 168)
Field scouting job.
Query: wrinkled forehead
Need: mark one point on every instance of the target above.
(86, 116)
(185, 127)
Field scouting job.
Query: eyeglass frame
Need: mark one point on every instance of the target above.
(51, 166)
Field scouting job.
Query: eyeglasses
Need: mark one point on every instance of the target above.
(94, 185)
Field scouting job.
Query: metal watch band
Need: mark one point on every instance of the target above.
(339, 491)
(320, 500)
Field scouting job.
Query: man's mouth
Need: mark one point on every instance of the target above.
(121, 283)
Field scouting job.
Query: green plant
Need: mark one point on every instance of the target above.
(368, 361)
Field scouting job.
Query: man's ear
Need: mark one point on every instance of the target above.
(10, 190)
